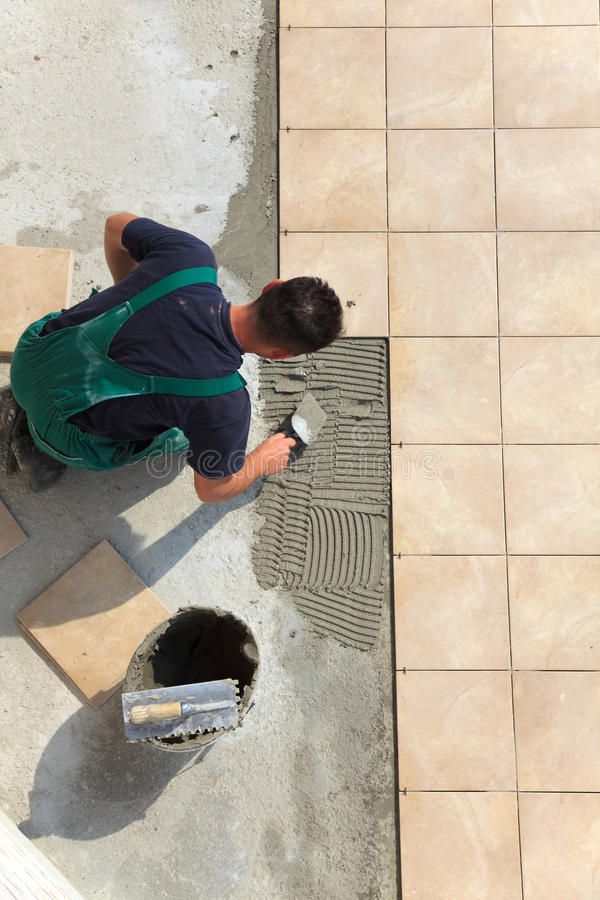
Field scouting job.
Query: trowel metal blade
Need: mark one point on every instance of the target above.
(202, 692)
(308, 419)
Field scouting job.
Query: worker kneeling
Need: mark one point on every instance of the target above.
(150, 366)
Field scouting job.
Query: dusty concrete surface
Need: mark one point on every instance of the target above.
(150, 106)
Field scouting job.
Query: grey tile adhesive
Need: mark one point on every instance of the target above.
(325, 535)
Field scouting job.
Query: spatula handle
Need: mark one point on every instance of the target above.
(155, 712)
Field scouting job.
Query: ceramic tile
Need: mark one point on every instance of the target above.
(444, 390)
(547, 77)
(432, 290)
(333, 181)
(557, 726)
(549, 283)
(356, 267)
(455, 731)
(439, 78)
(552, 499)
(92, 619)
(555, 611)
(560, 846)
(548, 179)
(460, 845)
(350, 62)
(344, 13)
(441, 180)
(551, 389)
(545, 12)
(439, 12)
(11, 534)
(447, 499)
(35, 281)
(451, 612)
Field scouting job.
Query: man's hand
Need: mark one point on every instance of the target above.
(274, 453)
(269, 458)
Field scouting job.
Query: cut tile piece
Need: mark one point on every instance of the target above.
(460, 845)
(557, 726)
(91, 620)
(552, 499)
(443, 284)
(439, 78)
(348, 62)
(560, 846)
(341, 13)
(439, 12)
(549, 283)
(551, 390)
(11, 534)
(451, 612)
(548, 179)
(333, 180)
(444, 390)
(545, 12)
(547, 77)
(441, 180)
(356, 267)
(555, 611)
(455, 731)
(447, 499)
(35, 281)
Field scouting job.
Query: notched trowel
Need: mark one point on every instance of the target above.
(183, 709)
(304, 424)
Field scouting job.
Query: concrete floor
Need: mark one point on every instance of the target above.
(168, 109)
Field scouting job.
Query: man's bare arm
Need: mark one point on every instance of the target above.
(118, 258)
(269, 457)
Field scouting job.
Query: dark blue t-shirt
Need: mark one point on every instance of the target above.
(186, 334)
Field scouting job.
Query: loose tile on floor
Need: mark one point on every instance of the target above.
(555, 611)
(451, 612)
(545, 12)
(459, 844)
(356, 267)
(444, 390)
(439, 12)
(443, 284)
(455, 731)
(326, 13)
(11, 533)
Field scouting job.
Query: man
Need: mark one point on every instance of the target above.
(150, 365)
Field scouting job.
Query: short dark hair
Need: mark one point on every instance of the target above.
(301, 315)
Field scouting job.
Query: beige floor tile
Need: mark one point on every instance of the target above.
(451, 612)
(545, 12)
(444, 390)
(350, 62)
(552, 499)
(551, 390)
(439, 12)
(549, 283)
(356, 267)
(447, 499)
(560, 846)
(439, 78)
(557, 723)
(455, 731)
(11, 534)
(327, 13)
(555, 611)
(548, 179)
(332, 181)
(441, 181)
(443, 284)
(91, 620)
(35, 281)
(460, 846)
(547, 77)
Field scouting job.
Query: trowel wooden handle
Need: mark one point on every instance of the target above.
(156, 712)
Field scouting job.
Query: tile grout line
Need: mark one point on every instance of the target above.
(510, 649)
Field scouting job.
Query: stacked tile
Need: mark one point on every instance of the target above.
(493, 114)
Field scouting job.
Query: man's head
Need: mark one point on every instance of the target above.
(299, 315)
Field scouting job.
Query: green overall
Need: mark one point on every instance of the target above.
(57, 375)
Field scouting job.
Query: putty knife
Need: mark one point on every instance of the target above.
(182, 709)
(304, 424)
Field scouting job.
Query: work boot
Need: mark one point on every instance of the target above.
(40, 470)
(9, 414)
